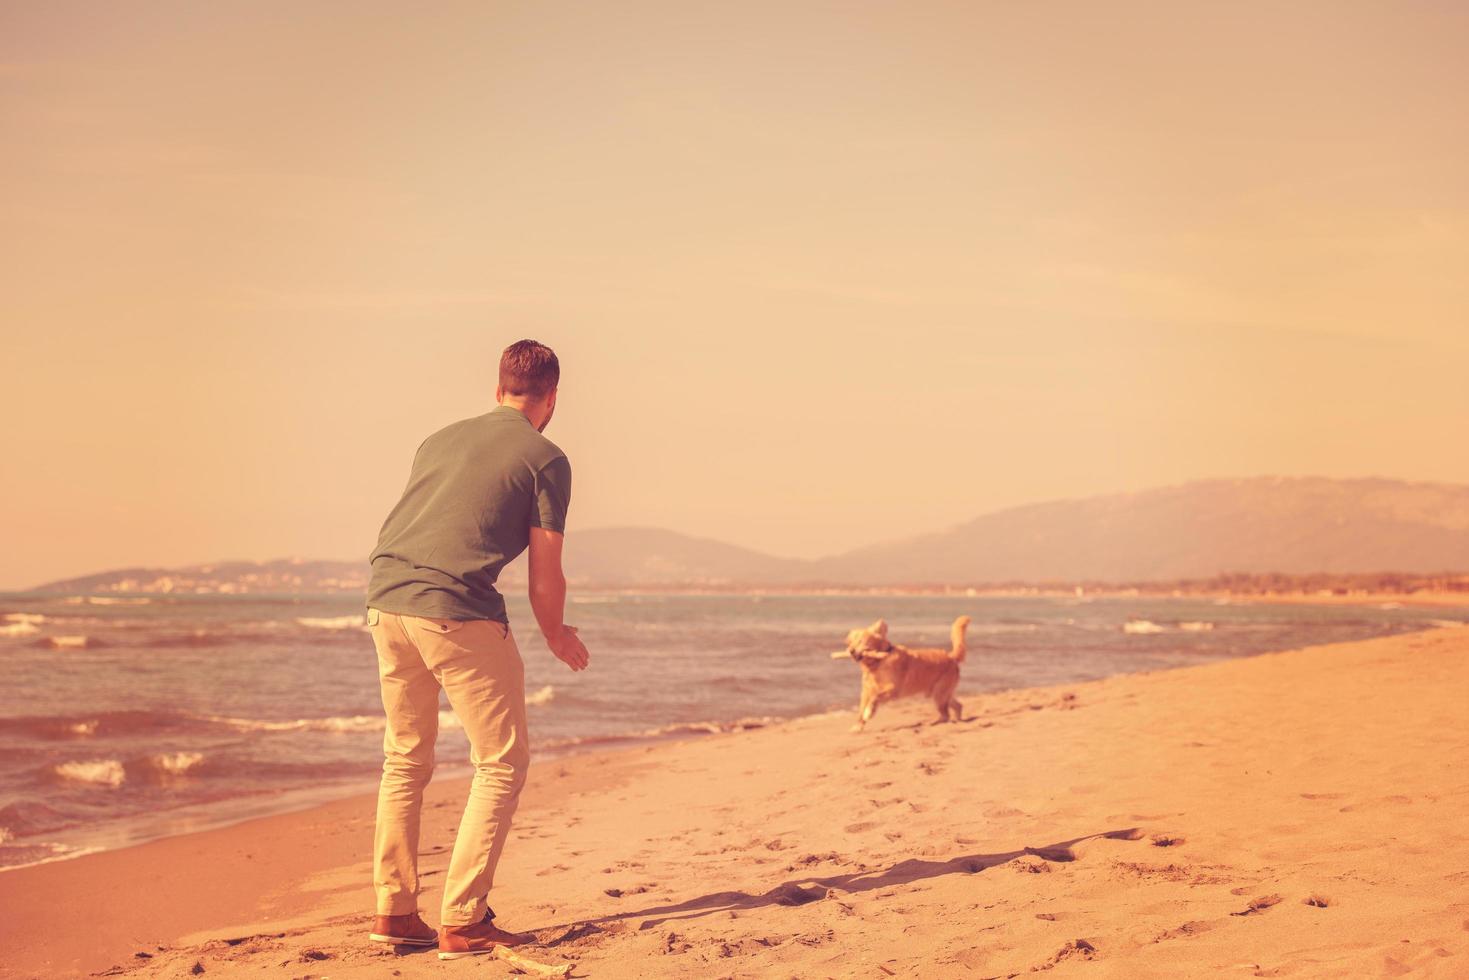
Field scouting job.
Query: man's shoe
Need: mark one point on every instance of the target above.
(402, 930)
(457, 942)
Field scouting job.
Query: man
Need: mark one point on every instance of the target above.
(481, 491)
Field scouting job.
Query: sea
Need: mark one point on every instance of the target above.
(130, 718)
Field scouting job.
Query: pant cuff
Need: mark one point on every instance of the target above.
(463, 915)
(400, 906)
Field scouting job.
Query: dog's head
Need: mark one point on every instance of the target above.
(867, 645)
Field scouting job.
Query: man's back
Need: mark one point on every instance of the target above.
(476, 489)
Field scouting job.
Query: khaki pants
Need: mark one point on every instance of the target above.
(479, 668)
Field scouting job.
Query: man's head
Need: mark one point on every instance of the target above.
(529, 374)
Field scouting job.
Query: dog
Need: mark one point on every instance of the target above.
(890, 671)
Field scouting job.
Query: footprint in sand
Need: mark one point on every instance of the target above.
(1184, 931)
(1000, 812)
(857, 828)
(1259, 905)
(1352, 807)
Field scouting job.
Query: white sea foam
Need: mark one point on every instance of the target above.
(177, 763)
(1141, 626)
(25, 617)
(544, 696)
(707, 727)
(1448, 622)
(333, 622)
(1003, 627)
(69, 642)
(113, 600)
(344, 723)
(1196, 627)
(83, 727)
(100, 772)
(55, 852)
(5, 834)
(19, 629)
(355, 723)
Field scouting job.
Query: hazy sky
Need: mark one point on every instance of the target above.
(819, 274)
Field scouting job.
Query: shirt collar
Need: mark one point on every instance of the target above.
(506, 411)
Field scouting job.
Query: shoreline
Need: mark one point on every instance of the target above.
(1327, 773)
(221, 814)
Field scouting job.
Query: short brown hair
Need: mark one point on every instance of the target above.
(529, 368)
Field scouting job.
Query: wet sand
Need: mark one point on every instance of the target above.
(1297, 814)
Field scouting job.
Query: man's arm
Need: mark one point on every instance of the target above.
(548, 598)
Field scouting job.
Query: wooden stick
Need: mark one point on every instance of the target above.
(531, 966)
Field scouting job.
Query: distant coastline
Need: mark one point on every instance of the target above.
(293, 578)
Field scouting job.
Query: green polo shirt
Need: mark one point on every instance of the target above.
(476, 489)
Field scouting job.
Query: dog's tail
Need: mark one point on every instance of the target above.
(958, 648)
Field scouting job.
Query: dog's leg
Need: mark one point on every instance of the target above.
(943, 699)
(956, 710)
(865, 712)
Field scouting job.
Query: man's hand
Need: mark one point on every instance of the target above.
(548, 598)
(569, 649)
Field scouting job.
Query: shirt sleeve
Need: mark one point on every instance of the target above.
(553, 495)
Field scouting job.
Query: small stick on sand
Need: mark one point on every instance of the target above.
(531, 966)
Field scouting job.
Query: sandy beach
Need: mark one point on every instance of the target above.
(1296, 814)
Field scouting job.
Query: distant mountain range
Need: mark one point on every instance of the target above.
(1290, 525)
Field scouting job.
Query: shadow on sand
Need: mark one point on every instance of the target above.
(800, 891)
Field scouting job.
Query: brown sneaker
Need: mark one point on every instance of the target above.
(482, 937)
(402, 930)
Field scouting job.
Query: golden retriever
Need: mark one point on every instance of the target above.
(890, 671)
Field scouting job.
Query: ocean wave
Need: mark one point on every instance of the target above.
(19, 629)
(98, 772)
(105, 723)
(193, 639)
(77, 642)
(343, 723)
(1148, 626)
(662, 731)
(106, 600)
(176, 763)
(349, 724)
(706, 727)
(24, 617)
(1447, 622)
(30, 816)
(355, 621)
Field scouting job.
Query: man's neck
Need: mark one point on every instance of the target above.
(522, 405)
